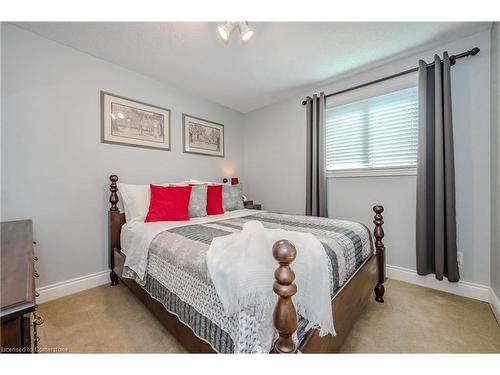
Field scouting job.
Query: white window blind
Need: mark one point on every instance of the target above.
(375, 133)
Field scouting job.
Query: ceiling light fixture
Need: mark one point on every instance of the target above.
(246, 32)
(225, 30)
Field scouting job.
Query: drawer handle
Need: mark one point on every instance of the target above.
(37, 294)
(36, 274)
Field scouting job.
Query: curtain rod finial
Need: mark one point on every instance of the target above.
(474, 51)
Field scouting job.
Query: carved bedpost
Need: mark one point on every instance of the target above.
(113, 198)
(378, 232)
(285, 316)
(113, 212)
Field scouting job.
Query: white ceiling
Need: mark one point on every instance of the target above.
(282, 58)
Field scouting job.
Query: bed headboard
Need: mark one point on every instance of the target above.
(115, 220)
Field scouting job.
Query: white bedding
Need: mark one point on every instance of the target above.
(136, 236)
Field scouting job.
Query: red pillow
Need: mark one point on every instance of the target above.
(214, 200)
(169, 203)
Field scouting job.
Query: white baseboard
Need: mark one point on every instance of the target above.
(461, 288)
(65, 288)
(495, 304)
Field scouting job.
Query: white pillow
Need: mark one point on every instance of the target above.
(198, 182)
(135, 200)
(182, 183)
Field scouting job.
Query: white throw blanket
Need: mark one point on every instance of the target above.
(241, 266)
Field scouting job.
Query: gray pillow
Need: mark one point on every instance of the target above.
(198, 201)
(232, 198)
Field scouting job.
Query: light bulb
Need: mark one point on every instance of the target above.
(225, 30)
(246, 32)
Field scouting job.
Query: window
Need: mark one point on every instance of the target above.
(374, 135)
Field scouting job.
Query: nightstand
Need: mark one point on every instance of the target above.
(252, 206)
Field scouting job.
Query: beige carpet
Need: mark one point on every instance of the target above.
(412, 320)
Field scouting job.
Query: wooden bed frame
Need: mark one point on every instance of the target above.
(347, 304)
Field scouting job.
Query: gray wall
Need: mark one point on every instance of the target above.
(495, 159)
(274, 162)
(54, 168)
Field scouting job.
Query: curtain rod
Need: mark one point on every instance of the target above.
(453, 59)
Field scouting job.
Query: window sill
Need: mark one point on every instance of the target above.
(372, 172)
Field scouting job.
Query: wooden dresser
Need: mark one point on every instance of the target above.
(18, 295)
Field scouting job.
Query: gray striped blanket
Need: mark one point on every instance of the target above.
(177, 274)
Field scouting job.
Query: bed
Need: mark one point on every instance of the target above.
(175, 285)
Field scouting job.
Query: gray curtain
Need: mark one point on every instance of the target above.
(436, 226)
(316, 204)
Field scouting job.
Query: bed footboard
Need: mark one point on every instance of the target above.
(285, 314)
(378, 232)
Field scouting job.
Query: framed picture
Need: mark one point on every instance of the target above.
(202, 136)
(129, 122)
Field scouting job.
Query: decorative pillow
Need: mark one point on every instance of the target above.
(169, 203)
(136, 199)
(214, 200)
(198, 201)
(232, 198)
